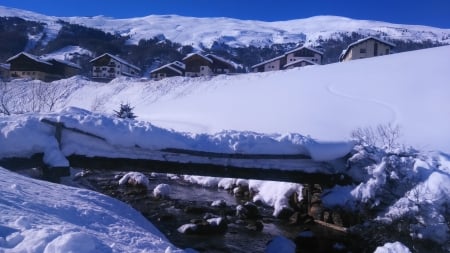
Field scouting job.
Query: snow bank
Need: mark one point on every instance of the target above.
(108, 136)
(411, 187)
(38, 216)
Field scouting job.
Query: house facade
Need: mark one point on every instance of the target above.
(298, 57)
(221, 65)
(304, 53)
(108, 67)
(25, 65)
(175, 68)
(198, 65)
(365, 48)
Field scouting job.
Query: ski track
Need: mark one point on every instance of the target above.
(391, 108)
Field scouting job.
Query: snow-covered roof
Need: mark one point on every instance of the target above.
(169, 66)
(32, 57)
(231, 63)
(304, 47)
(117, 59)
(179, 64)
(5, 66)
(270, 60)
(345, 51)
(193, 54)
(300, 60)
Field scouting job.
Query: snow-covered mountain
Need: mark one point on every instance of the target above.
(233, 32)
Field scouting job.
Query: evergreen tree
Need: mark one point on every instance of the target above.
(125, 112)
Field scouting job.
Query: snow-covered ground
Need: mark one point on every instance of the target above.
(199, 31)
(38, 216)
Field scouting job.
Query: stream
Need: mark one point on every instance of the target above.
(187, 202)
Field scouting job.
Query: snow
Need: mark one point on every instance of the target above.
(162, 190)
(38, 216)
(275, 194)
(134, 178)
(199, 32)
(68, 53)
(395, 247)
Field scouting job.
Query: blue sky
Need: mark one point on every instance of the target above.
(421, 12)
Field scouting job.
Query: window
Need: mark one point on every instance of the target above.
(362, 50)
(387, 51)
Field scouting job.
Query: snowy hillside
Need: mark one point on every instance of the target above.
(233, 32)
(326, 102)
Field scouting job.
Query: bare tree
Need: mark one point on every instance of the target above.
(386, 135)
(32, 96)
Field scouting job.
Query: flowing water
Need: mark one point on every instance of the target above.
(187, 202)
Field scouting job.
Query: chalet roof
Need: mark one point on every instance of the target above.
(304, 47)
(30, 56)
(345, 51)
(169, 66)
(298, 61)
(117, 59)
(218, 58)
(200, 55)
(270, 60)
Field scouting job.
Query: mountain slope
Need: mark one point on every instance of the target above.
(199, 32)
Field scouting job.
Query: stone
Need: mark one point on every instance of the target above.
(247, 211)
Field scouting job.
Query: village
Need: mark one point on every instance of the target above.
(107, 67)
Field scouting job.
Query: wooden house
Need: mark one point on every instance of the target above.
(304, 53)
(4, 71)
(221, 65)
(108, 67)
(175, 68)
(276, 63)
(298, 57)
(65, 68)
(25, 65)
(198, 65)
(365, 48)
